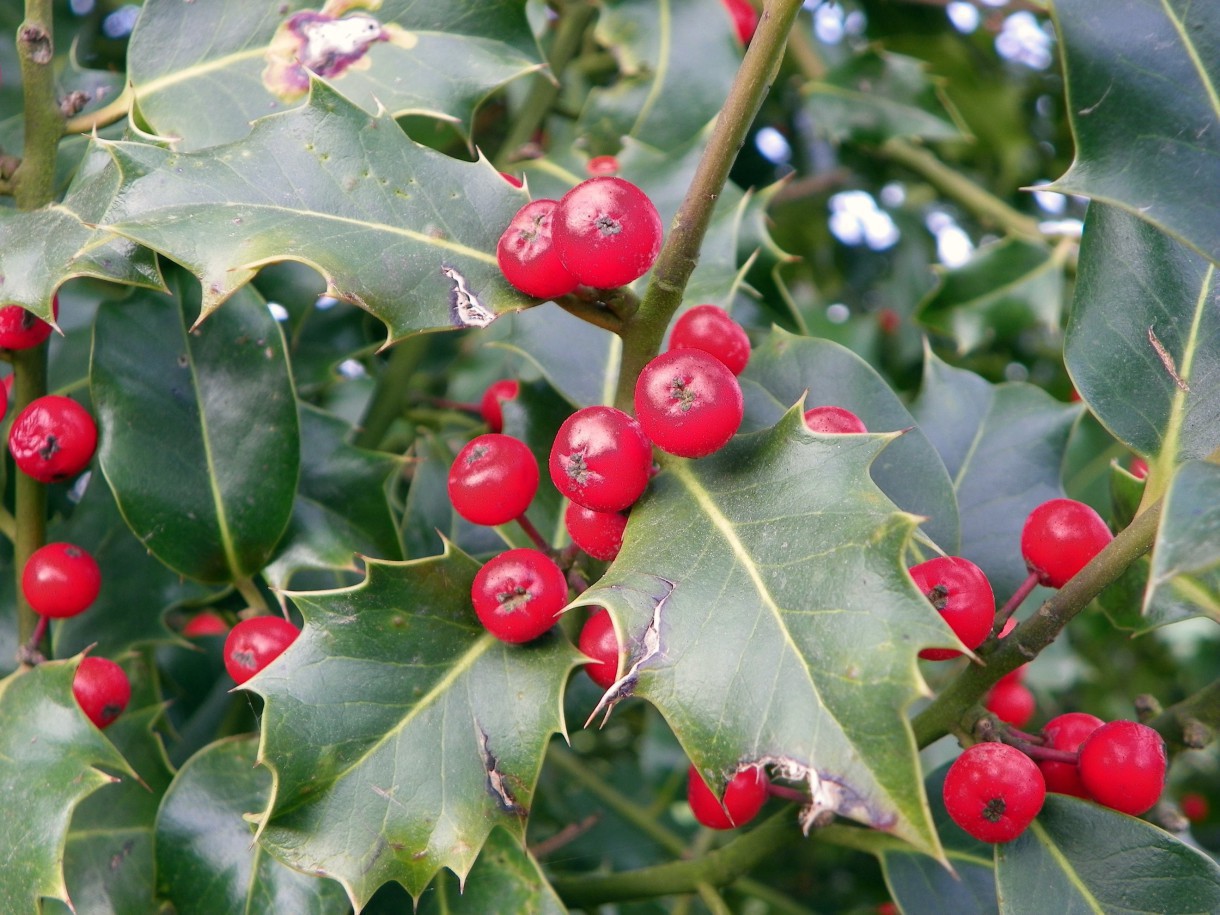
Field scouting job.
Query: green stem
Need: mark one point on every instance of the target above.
(388, 397)
(30, 496)
(255, 601)
(34, 181)
(643, 332)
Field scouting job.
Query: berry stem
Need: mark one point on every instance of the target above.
(1018, 597)
(30, 653)
(1045, 754)
(535, 535)
(392, 385)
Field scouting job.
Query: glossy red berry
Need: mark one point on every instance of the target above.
(493, 479)
(602, 166)
(1195, 806)
(1059, 539)
(601, 459)
(527, 254)
(1011, 702)
(204, 624)
(491, 404)
(744, 796)
(599, 641)
(745, 18)
(1067, 732)
(1122, 765)
(19, 329)
(961, 593)
(102, 690)
(53, 439)
(60, 580)
(709, 328)
(518, 594)
(834, 421)
(254, 643)
(600, 534)
(607, 232)
(688, 403)
(993, 791)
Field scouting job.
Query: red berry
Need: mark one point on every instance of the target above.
(1011, 702)
(601, 166)
(607, 232)
(254, 643)
(1013, 676)
(517, 595)
(709, 328)
(745, 18)
(688, 403)
(6, 394)
(493, 479)
(528, 257)
(961, 593)
(1067, 732)
(60, 580)
(511, 179)
(600, 534)
(491, 406)
(1059, 539)
(993, 791)
(744, 796)
(1195, 806)
(1139, 468)
(601, 459)
(53, 439)
(205, 623)
(834, 421)
(889, 321)
(599, 641)
(102, 690)
(19, 329)
(1122, 765)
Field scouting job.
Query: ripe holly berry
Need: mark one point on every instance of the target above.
(1011, 702)
(607, 232)
(518, 594)
(528, 257)
(961, 593)
(601, 459)
(60, 580)
(1059, 539)
(511, 179)
(254, 643)
(1139, 468)
(1067, 732)
(493, 479)
(600, 534)
(688, 403)
(744, 796)
(19, 329)
(709, 328)
(1195, 806)
(601, 166)
(205, 623)
(102, 690)
(52, 439)
(745, 18)
(599, 641)
(1122, 765)
(993, 791)
(491, 405)
(834, 421)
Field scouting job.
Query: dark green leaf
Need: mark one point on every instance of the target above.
(579, 360)
(1184, 580)
(505, 878)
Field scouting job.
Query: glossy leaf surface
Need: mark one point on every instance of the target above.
(505, 878)
(1184, 579)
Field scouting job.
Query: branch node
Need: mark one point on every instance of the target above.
(35, 41)
(1146, 707)
(1195, 734)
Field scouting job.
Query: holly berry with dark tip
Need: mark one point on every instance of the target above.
(491, 406)
(1122, 766)
(1011, 702)
(832, 420)
(993, 792)
(493, 479)
(254, 643)
(20, 329)
(60, 580)
(709, 328)
(599, 642)
(961, 593)
(1067, 732)
(53, 439)
(600, 534)
(601, 459)
(745, 18)
(1060, 538)
(688, 403)
(101, 689)
(607, 232)
(518, 594)
(527, 255)
(744, 796)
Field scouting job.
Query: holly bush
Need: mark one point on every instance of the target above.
(985, 227)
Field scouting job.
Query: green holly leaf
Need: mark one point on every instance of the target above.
(1184, 580)
(400, 732)
(203, 93)
(778, 555)
(49, 758)
(403, 231)
(198, 427)
(1089, 859)
(505, 878)
(1141, 94)
(579, 360)
(876, 95)
(207, 859)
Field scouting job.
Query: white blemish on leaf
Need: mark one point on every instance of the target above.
(465, 309)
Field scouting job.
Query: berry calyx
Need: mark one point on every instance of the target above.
(599, 642)
(607, 232)
(745, 18)
(709, 328)
(101, 689)
(993, 792)
(688, 403)
(834, 421)
(254, 643)
(744, 796)
(1122, 765)
(961, 593)
(205, 624)
(60, 580)
(601, 459)
(1011, 702)
(20, 329)
(518, 594)
(493, 479)
(527, 254)
(600, 534)
(52, 439)
(491, 404)
(1067, 732)
(1059, 539)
